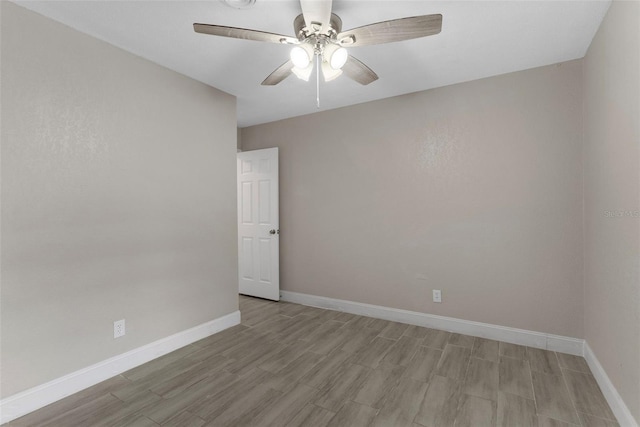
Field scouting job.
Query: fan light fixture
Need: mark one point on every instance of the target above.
(303, 73)
(300, 57)
(332, 58)
(336, 56)
(329, 73)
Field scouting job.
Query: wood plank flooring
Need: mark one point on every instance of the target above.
(289, 365)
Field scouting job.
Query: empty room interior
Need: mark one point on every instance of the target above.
(320, 213)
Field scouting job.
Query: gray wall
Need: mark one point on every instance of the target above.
(474, 189)
(612, 184)
(118, 201)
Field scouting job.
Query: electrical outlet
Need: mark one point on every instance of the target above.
(118, 328)
(437, 295)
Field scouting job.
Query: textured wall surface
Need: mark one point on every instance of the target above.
(474, 189)
(118, 201)
(612, 199)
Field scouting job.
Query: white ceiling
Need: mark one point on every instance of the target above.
(478, 39)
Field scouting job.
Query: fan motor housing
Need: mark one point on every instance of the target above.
(299, 27)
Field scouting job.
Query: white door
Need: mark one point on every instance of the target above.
(258, 224)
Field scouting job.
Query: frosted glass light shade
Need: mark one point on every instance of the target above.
(338, 58)
(329, 73)
(300, 57)
(303, 73)
(335, 55)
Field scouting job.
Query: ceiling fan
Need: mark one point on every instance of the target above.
(319, 36)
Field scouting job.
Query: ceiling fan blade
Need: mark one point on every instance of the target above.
(280, 73)
(317, 14)
(356, 70)
(243, 33)
(392, 31)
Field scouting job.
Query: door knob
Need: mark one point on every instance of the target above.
(274, 231)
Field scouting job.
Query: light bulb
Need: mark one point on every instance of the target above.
(299, 57)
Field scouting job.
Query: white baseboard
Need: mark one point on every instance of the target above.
(619, 408)
(37, 397)
(485, 330)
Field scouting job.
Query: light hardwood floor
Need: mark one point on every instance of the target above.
(291, 365)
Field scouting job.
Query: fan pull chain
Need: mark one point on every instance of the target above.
(318, 80)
